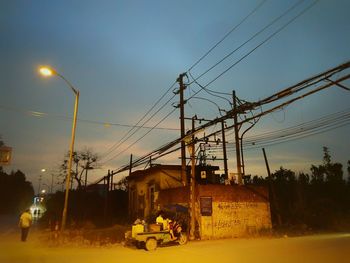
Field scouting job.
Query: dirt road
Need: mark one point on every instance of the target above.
(320, 248)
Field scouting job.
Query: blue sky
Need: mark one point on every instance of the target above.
(123, 55)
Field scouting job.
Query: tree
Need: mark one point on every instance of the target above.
(320, 200)
(16, 193)
(285, 187)
(328, 171)
(348, 172)
(1, 144)
(83, 161)
(122, 184)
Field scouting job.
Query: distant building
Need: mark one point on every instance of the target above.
(221, 210)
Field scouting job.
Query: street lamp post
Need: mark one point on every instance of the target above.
(43, 170)
(48, 72)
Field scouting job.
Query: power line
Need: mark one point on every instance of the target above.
(210, 92)
(144, 135)
(39, 114)
(127, 135)
(251, 38)
(263, 42)
(301, 127)
(259, 45)
(247, 106)
(243, 107)
(227, 34)
(313, 127)
(281, 28)
(302, 135)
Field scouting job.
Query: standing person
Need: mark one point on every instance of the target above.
(25, 223)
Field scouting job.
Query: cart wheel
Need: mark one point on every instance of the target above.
(182, 239)
(151, 244)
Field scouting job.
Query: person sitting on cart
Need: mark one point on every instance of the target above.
(165, 224)
(171, 228)
(160, 220)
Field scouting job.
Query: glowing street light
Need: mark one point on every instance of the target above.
(48, 71)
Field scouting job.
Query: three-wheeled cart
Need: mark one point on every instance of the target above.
(151, 239)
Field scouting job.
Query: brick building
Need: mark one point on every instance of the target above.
(221, 210)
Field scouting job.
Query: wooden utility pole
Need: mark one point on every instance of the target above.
(193, 184)
(130, 166)
(224, 146)
(182, 127)
(236, 128)
(111, 181)
(272, 191)
(106, 190)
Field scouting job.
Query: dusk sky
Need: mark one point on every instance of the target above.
(124, 55)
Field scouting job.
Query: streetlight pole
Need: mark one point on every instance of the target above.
(43, 170)
(47, 72)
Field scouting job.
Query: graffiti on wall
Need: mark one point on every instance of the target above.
(235, 218)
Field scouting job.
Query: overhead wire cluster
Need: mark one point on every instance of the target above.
(244, 107)
(248, 106)
(302, 130)
(110, 153)
(249, 52)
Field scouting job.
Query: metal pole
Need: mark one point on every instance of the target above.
(65, 207)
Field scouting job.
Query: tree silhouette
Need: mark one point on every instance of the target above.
(320, 200)
(16, 194)
(83, 161)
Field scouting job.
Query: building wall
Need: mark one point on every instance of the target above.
(235, 219)
(235, 210)
(169, 178)
(144, 189)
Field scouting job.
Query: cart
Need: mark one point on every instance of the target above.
(151, 239)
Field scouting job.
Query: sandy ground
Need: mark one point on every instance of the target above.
(323, 248)
(318, 248)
